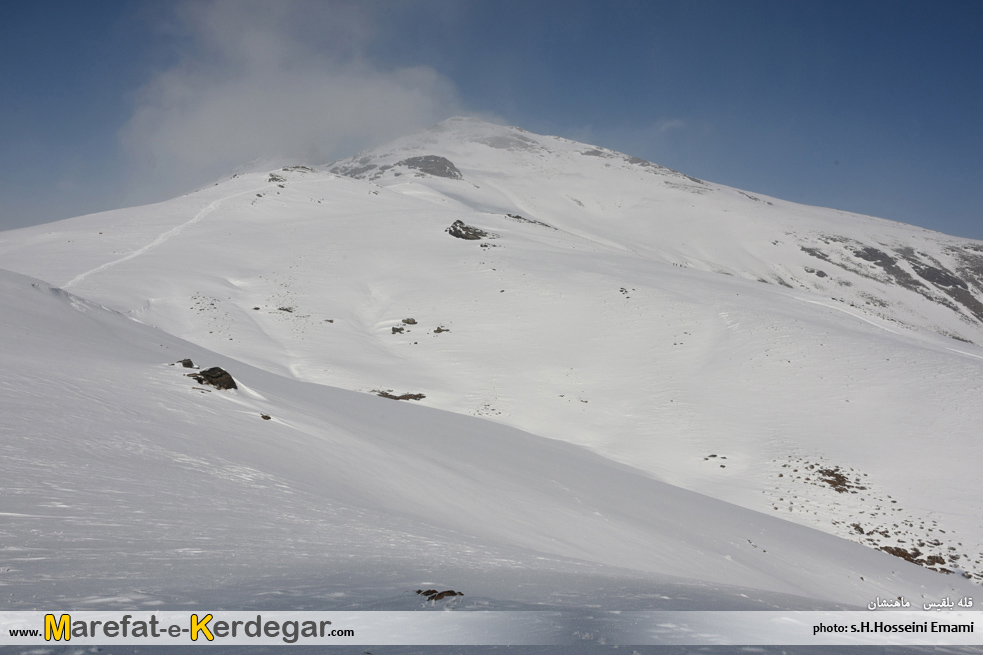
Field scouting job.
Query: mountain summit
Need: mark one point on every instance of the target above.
(894, 271)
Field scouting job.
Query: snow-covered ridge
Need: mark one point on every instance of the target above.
(388, 162)
(610, 196)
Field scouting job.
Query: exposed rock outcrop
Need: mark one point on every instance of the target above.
(461, 230)
(215, 376)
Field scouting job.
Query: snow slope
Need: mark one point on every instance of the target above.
(615, 305)
(128, 484)
(899, 272)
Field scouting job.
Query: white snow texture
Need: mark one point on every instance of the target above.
(640, 391)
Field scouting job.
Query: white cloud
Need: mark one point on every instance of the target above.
(667, 125)
(272, 80)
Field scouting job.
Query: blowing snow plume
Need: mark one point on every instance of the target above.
(269, 81)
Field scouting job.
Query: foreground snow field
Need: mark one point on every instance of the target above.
(128, 483)
(617, 412)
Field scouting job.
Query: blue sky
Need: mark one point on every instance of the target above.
(871, 107)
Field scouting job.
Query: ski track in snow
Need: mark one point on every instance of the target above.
(963, 352)
(163, 238)
(849, 313)
(879, 325)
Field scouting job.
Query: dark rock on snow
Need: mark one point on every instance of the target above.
(405, 396)
(215, 376)
(433, 594)
(433, 165)
(461, 230)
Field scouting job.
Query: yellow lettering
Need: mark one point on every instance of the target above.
(200, 626)
(59, 630)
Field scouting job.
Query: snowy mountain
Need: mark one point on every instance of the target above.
(599, 388)
(894, 271)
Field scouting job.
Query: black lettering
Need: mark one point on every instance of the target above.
(256, 625)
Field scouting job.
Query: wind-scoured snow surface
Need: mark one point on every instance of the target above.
(640, 391)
